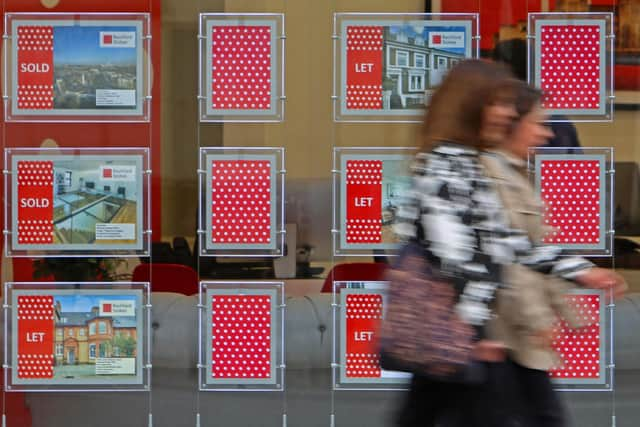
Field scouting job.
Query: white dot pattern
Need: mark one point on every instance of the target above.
(571, 192)
(364, 179)
(35, 180)
(241, 67)
(241, 201)
(241, 336)
(579, 349)
(35, 314)
(363, 313)
(570, 66)
(364, 45)
(35, 46)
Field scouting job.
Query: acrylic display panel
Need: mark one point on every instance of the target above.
(77, 67)
(386, 66)
(86, 336)
(368, 186)
(585, 353)
(577, 190)
(241, 67)
(571, 60)
(359, 308)
(77, 202)
(241, 201)
(241, 336)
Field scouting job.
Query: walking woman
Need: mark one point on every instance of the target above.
(454, 211)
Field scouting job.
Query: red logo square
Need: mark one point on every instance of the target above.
(436, 39)
(106, 308)
(107, 39)
(107, 173)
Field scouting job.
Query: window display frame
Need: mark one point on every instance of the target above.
(605, 157)
(209, 289)
(607, 65)
(142, 244)
(341, 155)
(139, 290)
(207, 112)
(606, 381)
(142, 96)
(470, 21)
(277, 191)
(394, 381)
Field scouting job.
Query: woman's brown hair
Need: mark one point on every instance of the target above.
(455, 112)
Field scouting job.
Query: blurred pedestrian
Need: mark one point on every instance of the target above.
(455, 212)
(527, 309)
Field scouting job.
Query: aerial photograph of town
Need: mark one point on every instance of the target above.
(84, 65)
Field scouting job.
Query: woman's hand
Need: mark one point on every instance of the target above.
(601, 278)
(490, 351)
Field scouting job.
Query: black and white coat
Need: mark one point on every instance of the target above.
(455, 212)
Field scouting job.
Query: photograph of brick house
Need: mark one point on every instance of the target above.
(414, 63)
(82, 337)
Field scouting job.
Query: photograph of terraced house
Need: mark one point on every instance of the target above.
(415, 60)
(89, 336)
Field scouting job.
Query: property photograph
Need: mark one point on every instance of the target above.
(90, 330)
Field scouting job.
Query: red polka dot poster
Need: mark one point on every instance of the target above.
(572, 64)
(581, 350)
(573, 189)
(242, 58)
(243, 341)
(241, 203)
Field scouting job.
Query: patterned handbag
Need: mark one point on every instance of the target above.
(421, 333)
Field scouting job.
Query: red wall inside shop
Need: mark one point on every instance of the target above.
(99, 134)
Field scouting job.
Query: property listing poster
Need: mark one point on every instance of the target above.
(372, 187)
(242, 336)
(80, 67)
(392, 67)
(242, 68)
(363, 308)
(241, 200)
(573, 190)
(76, 337)
(570, 60)
(582, 350)
(76, 202)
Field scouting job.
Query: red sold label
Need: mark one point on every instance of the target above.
(35, 67)
(35, 202)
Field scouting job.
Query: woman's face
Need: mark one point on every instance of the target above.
(496, 121)
(530, 131)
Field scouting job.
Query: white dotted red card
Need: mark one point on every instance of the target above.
(571, 190)
(570, 66)
(35, 202)
(36, 325)
(241, 328)
(241, 202)
(363, 317)
(579, 349)
(241, 67)
(364, 67)
(364, 201)
(35, 67)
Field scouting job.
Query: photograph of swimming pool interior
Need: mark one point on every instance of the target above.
(82, 198)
